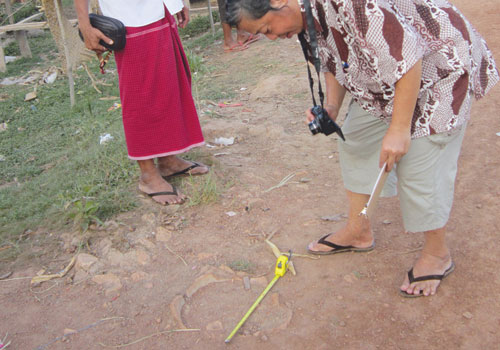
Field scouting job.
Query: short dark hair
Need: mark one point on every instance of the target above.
(253, 9)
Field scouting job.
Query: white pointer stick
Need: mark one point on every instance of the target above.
(379, 184)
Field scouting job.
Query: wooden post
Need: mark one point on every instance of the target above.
(21, 37)
(3, 66)
(69, 67)
(211, 17)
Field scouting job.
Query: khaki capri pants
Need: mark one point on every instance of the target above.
(424, 177)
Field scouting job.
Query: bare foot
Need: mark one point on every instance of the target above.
(234, 46)
(360, 238)
(153, 183)
(426, 264)
(173, 164)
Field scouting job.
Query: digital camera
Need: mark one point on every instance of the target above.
(322, 123)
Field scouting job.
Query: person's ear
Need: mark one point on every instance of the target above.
(278, 4)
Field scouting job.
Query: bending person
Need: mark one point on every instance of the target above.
(412, 68)
(243, 39)
(159, 115)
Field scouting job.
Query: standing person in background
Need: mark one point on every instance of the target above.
(243, 39)
(159, 115)
(412, 68)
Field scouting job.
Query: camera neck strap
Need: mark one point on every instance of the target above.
(313, 42)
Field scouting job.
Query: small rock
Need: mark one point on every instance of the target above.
(110, 282)
(205, 256)
(386, 222)
(264, 337)
(305, 180)
(79, 276)
(68, 331)
(176, 309)
(5, 275)
(215, 326)
(467, 315)
(335, 218)
(479, 206)
(259, 281)
(348, 278)
(201, 282)
(342, 324)
(149, 218)
(30, 96)
(230, 213)
(85, 261)
(139, 276)
(146, 243)
(246, 282)
(142, 257)
(104, 246)
(162, 234)
(115, 257)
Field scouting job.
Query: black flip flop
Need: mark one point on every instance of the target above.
(413, 279)
(185, 172)
(338, 248)
(165, 193)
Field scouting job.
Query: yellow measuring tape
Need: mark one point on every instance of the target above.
(279, 271)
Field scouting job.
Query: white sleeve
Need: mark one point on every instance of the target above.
(173, 6)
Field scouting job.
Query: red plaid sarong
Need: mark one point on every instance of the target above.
(159, 115)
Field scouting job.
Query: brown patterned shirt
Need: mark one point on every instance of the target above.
(369, 45)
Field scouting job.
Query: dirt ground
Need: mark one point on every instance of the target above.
(158, 270)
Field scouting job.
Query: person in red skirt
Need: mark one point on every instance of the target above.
(159, 115)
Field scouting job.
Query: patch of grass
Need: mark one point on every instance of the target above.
(44, 51)
(203, 41)
(201, 189)
(54, 173)
(19, 10)
(242, 265)
(12, 49)
(198, 25)
(196, 63)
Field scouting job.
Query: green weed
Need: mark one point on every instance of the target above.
(83, 210)
(201, 189)
(242, 265)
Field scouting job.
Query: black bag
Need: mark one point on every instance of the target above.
(112, 28)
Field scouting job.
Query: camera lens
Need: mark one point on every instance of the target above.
(314, 127)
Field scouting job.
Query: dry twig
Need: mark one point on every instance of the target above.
(43, 278)
(149, 336)
(44, 346)
(281, 183)
(177, 255)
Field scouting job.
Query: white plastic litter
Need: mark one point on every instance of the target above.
(50, 78)
(9, 59)
(105, 138)
(2, 158)
(3, 127)
(498, 133)
(224, 141)
(230, 213)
